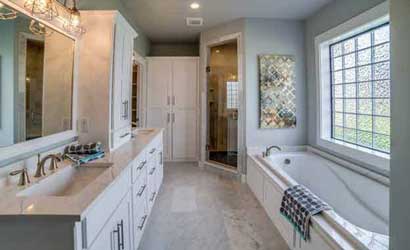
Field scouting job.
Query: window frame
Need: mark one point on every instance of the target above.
(374, 160)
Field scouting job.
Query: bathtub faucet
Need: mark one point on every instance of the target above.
(268, 149)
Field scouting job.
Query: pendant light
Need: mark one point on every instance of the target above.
(73, 24)
(40, 29)
(6, 13)
(46, 8)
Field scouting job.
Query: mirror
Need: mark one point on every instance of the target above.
(36, 80)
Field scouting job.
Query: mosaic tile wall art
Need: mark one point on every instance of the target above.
(277, 91)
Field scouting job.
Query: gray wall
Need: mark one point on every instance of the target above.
(142, 43)
(267, 36)
(327, 18)
(400, 157)
(171, 49)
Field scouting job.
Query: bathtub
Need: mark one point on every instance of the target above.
(359, 198)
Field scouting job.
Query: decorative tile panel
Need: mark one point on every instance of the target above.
(277, 91)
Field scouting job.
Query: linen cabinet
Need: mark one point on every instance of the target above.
(105, 78)
(172, 104)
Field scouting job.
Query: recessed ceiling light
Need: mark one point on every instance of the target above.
(195, 6)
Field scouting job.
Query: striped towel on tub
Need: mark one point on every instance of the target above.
(298, 206)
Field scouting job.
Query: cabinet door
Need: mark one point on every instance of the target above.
(127, 79)
(118, 63)
(116, 234)
(184, 107)
(184, 138)
(159, 99)
(185, 84)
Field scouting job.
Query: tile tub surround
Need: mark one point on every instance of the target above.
(332, 228)
(75, 205)
(201, 209)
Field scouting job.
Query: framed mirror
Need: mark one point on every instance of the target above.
(36, 81)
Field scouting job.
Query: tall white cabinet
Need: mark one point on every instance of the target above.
(172, 104)
(105, 78)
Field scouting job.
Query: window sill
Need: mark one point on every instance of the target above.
(378, 161)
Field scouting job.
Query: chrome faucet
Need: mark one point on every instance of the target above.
(268, 149)
(55, 158)
(24, 178)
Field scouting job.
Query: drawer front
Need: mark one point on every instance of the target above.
(154, 147)
(139, 166)
(140, 190)
(120, 136)
(140, 222)
(104, 207)
(152, 184)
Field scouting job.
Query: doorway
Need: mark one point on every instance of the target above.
(223, 104)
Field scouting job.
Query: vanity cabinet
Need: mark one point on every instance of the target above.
(105, 78)
(116, 234)
(118, 218)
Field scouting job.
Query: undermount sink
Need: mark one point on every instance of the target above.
(67, 181)
(143, 131)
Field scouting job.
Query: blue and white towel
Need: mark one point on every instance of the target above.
(82, 149)
(81, 159)
(298, 206)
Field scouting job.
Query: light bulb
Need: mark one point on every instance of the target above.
(1, 5)
(195, 6)
(75, 19)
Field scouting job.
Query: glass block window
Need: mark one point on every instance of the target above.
(360, 81)
(232, 93)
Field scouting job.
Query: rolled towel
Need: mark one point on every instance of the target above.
(82, 149)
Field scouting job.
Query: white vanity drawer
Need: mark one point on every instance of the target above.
(139, 166)
(140, 190)
(141, 215)
(154, 147)
(120, 136)
(102, 209)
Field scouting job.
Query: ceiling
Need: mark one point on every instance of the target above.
(164, 20)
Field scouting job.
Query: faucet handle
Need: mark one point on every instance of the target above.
(24, 178)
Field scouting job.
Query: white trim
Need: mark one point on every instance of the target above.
(26, 149)
(371, 18)
(142, 85)
(241, 110)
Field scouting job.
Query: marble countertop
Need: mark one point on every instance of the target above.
(77, 204)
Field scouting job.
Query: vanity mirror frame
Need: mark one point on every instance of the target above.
(24, 150)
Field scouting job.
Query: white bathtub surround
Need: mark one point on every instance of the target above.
(361, 205)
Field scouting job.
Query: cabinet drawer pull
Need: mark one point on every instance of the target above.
(142, 164)
(124, 135)
(153, 196)
(142, 189)
(143, 219)
(117, 232)
(152, 171)
(161, 158)
(122, 235)
(152, 151)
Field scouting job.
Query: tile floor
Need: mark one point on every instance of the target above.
(201, 209)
